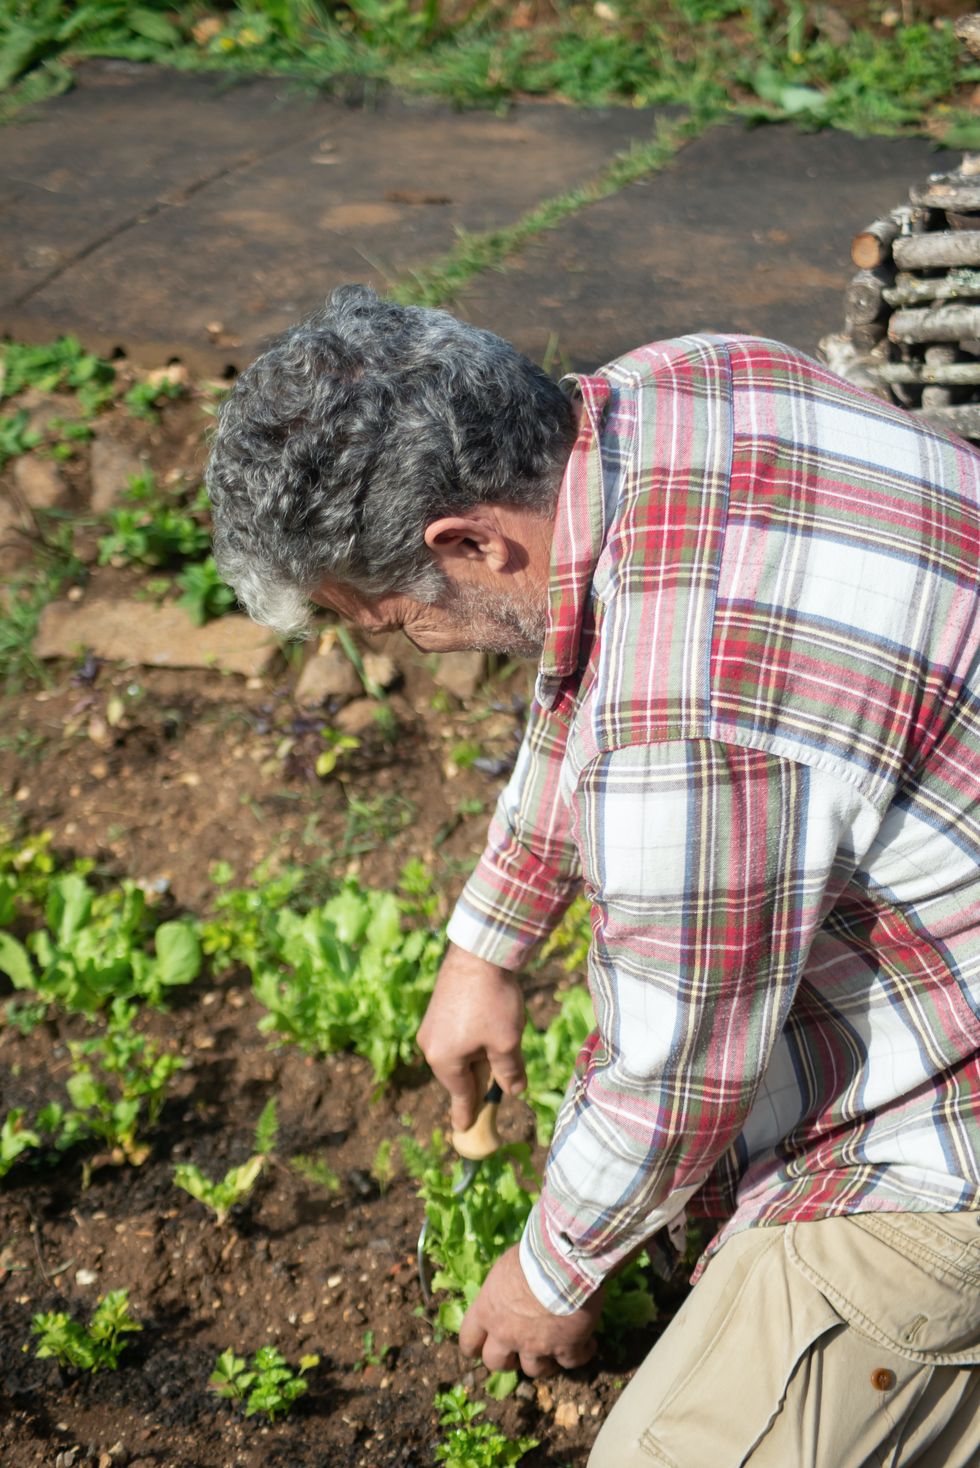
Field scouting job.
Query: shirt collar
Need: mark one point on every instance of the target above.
(579, 535)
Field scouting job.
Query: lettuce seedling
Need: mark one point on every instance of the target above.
(95, 1347)
(268, 1385)
(349, 976)
(237, 1182)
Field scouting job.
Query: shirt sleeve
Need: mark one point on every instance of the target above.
(530, 869)
(710, 868)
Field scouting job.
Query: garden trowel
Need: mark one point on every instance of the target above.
(480, 1141)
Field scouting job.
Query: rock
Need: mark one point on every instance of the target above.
(566, 1415)
(85, 1277)
(158, 637)
(831, 24)
(45, 408)
(545, 1398)
(461, 673)
(379, 668)
(111, 466)
(357, 716)
(38, 482)
(329, 674)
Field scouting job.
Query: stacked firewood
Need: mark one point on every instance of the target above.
(912, 311)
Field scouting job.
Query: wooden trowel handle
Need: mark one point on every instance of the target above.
(481, 1139)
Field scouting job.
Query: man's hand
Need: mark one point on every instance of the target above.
(506, 1324)
(474, 1022)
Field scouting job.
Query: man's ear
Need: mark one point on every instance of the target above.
(462, 538)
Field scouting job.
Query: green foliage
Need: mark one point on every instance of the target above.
(15, 1140)
(53, 366)
(15, 436)
(268, 1385)
(152, 526)
(370, 1356)
(349, 975)
(474, 1446)
(95, 1347)
(117, 1087)
(28, 593)
(571, 939)
(468, 1231)
(336, 745)
(237, 1182)
(204, 595)
(90, 947)
(34, 30)
(550, 1053)
(242, 927)
(315, 1170)
(219, 1196)
(143, 398)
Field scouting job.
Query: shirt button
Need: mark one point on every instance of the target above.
(882, 1379)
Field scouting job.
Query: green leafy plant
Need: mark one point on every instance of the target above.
(15, 1140)
(370, 1356)
(468, 1231)
(268, 1384)
(204, 595)
(238, 1182)
(315, 1170)
(62, 365)
(117, 1087)
(93, 946)
(220, 1196)
(95, 1347)
(471, 1444)
(152, 526)
(349, 975)
(336, 745)
(549, 1054)
(143, 398)
(15, 436)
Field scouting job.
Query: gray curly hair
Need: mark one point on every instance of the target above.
(353, 432)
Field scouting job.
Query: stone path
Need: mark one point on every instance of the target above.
(172, 216)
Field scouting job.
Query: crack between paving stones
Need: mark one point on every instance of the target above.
(174, 201)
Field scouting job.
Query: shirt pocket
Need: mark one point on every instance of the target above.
(910, 1281)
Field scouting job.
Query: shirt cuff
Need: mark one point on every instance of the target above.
(502, 918)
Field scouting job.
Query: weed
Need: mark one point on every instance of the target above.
(15, 436)
(204, 596)
(95, 1347)
(268, 1385)
(63, 364)
(369, 1356)
(548, 1055)
(154, 527)
(143, 398)
(315, 1170)
(336, 745)
(474, 1446)
(383, 1164)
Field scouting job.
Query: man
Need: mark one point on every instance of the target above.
(755, 741)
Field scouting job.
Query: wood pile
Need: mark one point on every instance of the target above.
(912, 311)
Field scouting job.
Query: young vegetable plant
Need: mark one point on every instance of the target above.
(237, 1182)
(92, 946)
(475, 1446)
(267, 1385)
(349, 976)
(118, 1085)
(95, 1347)
(370, 1356)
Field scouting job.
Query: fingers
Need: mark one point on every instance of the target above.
(471, 1335)
(508, 1067)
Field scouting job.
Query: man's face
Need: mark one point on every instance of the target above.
(465, 617)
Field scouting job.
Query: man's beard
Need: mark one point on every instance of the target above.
(498, 621)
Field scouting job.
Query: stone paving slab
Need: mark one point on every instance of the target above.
(747, 231)
(146, 206)
(156, 637)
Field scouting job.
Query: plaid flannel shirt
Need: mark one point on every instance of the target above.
(755, 740)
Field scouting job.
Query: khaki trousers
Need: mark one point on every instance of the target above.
(837, 1344)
